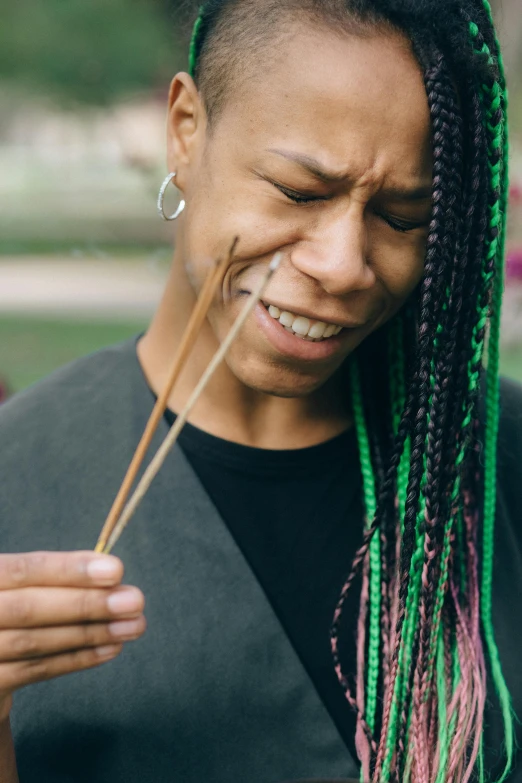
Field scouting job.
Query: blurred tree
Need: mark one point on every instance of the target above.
(88, 51)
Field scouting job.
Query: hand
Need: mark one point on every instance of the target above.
(62, 612)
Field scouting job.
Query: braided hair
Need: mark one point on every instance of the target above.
(426, 648)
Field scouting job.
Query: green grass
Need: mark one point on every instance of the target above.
(31, 348)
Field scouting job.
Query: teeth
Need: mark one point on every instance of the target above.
(317, 330)
(301, 326)
(313, 331)
(287, 319)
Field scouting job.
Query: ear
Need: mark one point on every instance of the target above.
(186, 127)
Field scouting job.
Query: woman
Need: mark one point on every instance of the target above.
(367, 141)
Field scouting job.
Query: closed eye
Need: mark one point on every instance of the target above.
(403, 226)
(296, 197)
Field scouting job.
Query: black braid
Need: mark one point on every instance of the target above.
(437, 267)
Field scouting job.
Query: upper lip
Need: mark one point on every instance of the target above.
(314, 316)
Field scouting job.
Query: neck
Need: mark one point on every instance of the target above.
(227, 408)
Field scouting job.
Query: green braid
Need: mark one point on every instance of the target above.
(369, 486)
(457, 672)
(413, 595)
(397, 366)
(442, 709)
(194, 42)
(413, 598)
(443, 577)
(498, 97)
(409, 632)
(398, 396)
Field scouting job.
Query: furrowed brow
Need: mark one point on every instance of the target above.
(311, 165)
(314, 167)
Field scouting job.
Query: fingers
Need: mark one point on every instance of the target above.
(64, 569)
(36, 607)
(17, 675)
(62, 612)
(26, 643)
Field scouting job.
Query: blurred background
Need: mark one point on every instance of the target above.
(83, 254)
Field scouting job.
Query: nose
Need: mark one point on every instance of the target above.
(336, 255)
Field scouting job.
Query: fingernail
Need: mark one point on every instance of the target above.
(127, 629)
(125, 602)
(108, 651)
(103, 570)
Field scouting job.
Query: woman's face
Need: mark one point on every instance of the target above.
(325, 157)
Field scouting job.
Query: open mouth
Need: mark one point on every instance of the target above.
(305, 328)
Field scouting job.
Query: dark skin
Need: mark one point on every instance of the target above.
(348, 137)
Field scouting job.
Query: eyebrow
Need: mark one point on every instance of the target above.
(310, 164)
(313, 166)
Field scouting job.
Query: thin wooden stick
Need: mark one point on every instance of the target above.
(180, 422)
(188, 339)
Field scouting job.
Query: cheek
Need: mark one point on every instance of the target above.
(400, 265)
(261, 229)
(225, 202)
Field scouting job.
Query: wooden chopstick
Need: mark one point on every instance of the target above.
(175, 430)
(188, 339)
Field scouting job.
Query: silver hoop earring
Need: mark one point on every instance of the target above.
(181, 205)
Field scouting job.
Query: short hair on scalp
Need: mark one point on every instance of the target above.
(239, 35)
(235, 35)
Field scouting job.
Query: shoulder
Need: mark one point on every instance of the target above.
(85, 390)
(65, 441)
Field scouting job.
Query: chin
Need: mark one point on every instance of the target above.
(279, 381)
